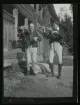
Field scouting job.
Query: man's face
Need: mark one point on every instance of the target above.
(31, 27)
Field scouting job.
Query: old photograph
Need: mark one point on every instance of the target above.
(38, 50)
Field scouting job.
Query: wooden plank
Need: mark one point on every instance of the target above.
(8, 32)
(24, 11)
(5, 38)
(30, 7)
(46, 48)
(40, 48)
(7, 63)
(8, 17)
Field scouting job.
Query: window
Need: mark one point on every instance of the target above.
(20, 19)
(29, 21)
(35, 6)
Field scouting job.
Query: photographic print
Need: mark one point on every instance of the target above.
(38, 50)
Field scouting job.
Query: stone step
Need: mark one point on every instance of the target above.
(11, 54)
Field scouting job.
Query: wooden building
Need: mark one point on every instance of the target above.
(15, 15)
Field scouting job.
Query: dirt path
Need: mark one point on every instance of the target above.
(42, 86)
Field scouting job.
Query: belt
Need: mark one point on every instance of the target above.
(32, 46)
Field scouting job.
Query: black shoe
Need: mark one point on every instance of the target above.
(27, 73)
(58, 77)
(33, 73)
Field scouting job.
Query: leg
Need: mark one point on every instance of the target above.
(58, 49)
(34, 58)
(60, 62)
(28, 59)
(51, 63)
(59, 72)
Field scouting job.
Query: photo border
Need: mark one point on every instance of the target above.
(75, 69)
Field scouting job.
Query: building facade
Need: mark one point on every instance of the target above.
(15, 15)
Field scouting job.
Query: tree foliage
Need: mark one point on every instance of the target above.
(69, 33)
(68, 36)
(71, 8)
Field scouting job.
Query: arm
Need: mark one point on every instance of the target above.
(36, 38)
(47, 35)
(56, 36)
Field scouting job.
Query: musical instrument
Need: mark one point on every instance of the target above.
(24, 39)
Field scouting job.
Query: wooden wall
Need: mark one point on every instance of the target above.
(31, 14)
(8, 31)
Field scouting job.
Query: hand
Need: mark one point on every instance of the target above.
(35, 38)
(55, 32)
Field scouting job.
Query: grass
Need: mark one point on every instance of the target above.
(12, 76)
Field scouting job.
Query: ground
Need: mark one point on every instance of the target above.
(18, 85)
(42, 86)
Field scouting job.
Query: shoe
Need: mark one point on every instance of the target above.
(27, 73)
(33, 73)
(58, 77)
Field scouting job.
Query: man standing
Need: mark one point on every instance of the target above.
(55, 45)
(31, 51)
